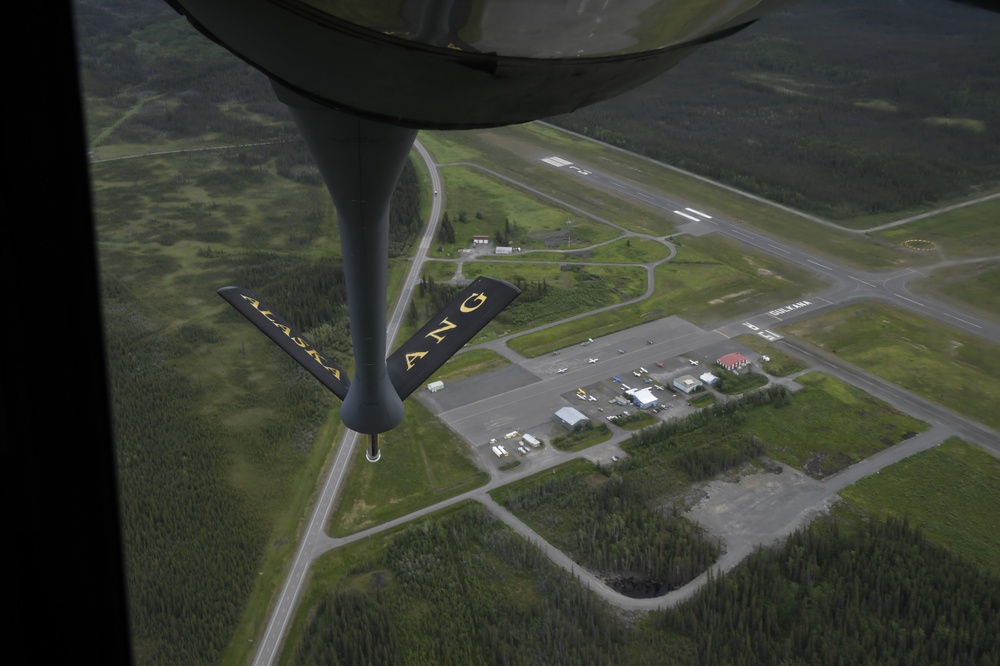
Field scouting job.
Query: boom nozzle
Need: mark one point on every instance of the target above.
(373, 454)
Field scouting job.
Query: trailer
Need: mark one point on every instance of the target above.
(498, 452)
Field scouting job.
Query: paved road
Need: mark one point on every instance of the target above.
(314, 541)
(755, 511)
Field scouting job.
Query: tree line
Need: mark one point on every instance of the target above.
(808, 107)
(461, 588)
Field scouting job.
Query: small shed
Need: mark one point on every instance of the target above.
(709, 378)
(434, 387)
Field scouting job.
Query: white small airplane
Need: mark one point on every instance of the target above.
(581, 397)
(693, 362)
(562, 370)
(592, 398)
(592, 360)
(644, 370)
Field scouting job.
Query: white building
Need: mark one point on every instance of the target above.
(686, 383)
(644, 398)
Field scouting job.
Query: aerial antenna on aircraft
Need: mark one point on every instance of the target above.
(361, 78)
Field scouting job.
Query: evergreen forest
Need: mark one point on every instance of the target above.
(460, 588)
(842, 108)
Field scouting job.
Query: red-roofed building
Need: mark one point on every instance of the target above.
(733, 362)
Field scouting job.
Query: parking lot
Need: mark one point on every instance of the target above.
(524, 396)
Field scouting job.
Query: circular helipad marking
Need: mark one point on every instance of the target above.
(920, 244)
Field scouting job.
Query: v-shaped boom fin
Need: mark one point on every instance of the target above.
(420, 356)
(294, 343)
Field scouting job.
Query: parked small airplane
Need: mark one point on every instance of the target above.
(621, 351)
(591, 360)
(644, 370)
(659, 365)
(693, 362)
(562, 370)
(616, 380)
(581, 397)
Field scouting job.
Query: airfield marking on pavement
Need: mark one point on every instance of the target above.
(920, 245)
(698, 212)
(690, 217)
(770, 336)
(862, 281)
(779, 249)
(560, 162)
(741, 233)
(910, 300)
(788, 308)
(964, 321)
(819, 264)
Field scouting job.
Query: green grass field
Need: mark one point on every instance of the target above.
(490, 205)
(975, 285)
(780, 365)
(710, 279)
(423, 463)
(931, 359)
(951, 492)
(963, 233)
(512, 155)
(829, 425)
